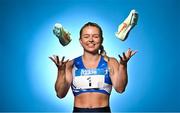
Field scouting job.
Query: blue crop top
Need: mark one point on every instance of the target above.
(91, 80)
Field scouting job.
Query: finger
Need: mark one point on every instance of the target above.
(66, 61)
(54, 56)
(53, 60)
(62, 58)
(124, 56)
(129, 49)
(120, 57)
(133, 53)
(57, 59)
(123, 62)
(128, 53)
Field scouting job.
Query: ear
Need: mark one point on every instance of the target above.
(80, 41)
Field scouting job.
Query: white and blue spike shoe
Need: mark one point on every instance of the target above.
(62, 34)
(125, 27)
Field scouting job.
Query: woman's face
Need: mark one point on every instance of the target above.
(90, 39)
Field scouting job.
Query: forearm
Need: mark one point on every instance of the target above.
(121, 79)
(123, 76)
(61, 85)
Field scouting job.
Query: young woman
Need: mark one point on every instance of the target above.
(92, 75)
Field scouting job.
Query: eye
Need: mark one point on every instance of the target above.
(96, 36)
(85, 37)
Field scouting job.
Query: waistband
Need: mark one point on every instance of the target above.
(99, 109)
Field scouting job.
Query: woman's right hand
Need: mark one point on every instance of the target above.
(62, 83)
(61, 64)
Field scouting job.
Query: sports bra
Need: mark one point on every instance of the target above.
(91, 79)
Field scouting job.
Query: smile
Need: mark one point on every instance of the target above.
(91, 45)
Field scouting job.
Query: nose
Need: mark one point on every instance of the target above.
(91, 39)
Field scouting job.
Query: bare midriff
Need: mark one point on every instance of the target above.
(91, 100)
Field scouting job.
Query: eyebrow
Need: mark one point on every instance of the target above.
(90, 34)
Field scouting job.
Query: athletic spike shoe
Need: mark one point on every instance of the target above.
(125, 27)
(62, 34)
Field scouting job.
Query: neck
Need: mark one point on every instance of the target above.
(91, 57)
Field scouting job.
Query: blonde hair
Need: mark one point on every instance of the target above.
(103, 53)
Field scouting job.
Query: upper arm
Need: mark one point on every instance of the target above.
(113, 66)
(114, 70)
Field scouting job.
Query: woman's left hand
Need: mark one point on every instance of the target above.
(126, 56)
